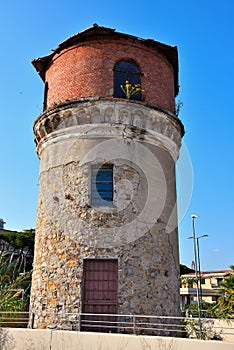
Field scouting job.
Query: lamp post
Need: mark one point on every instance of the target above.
(196, 273)
(199, 266)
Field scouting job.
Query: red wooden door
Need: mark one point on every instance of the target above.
(100, 294)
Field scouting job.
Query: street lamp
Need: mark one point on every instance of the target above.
(199, 267)
(196, 273)
(199, 264)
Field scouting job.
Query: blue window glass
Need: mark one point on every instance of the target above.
(126, 71)
(102, 185)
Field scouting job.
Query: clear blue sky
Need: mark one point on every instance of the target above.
(204, 34)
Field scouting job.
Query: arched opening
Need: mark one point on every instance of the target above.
(127, 76)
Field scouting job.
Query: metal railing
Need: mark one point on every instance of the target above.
(123, 324)
(132, 324)
(14, 319)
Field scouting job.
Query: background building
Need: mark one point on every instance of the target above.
(210, 286)
(108, 140)
(2, 222)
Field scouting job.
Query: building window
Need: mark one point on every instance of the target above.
(203, 281)
(126, 71)
(190, 282)
(102, 185)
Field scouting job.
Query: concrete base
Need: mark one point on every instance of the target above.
(30, 339)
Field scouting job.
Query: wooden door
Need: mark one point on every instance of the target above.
(100, 296)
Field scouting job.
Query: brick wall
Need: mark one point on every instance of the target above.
(86, 69)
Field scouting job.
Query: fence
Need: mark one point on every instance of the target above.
(14, 319)
(128, 324)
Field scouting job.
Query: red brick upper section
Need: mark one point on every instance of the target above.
(82, 66)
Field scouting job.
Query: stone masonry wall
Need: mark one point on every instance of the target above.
(70, 230)
(140, 229)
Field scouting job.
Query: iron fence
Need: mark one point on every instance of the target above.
(123, 324)
(14, 319)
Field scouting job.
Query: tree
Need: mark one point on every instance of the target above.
(14, 296)
(225, 305)
(184, 270)
(22, 244)
(15, 270)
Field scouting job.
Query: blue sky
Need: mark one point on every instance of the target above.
(204, 34)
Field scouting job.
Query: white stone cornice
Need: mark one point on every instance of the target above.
(109, 118)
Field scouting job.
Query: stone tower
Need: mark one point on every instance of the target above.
(108, 140)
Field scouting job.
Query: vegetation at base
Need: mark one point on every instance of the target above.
(16, 270)
(206, 329)
(15, 294)
(207, 310)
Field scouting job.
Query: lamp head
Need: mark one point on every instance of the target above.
(194, 216)
(203, 236)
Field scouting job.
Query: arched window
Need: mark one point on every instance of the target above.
(126, 71)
